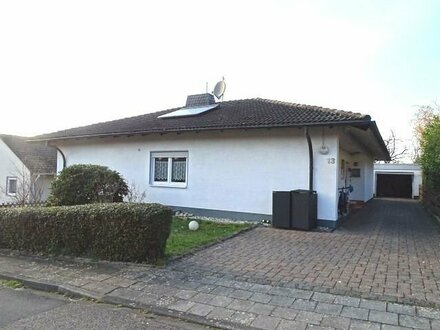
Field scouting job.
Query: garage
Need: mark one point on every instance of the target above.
(394, 185)
(398, 180)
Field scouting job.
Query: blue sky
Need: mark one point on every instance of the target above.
(65, 64)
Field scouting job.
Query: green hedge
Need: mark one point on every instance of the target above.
(114, 231)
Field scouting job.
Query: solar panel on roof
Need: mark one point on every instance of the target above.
(192, 111)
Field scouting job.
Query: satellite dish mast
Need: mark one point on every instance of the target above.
(219, 89)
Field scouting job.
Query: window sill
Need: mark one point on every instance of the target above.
(168, 185)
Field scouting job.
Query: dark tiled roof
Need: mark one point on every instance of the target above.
(248, 113)
(37, 157)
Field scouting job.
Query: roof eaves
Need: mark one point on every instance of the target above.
(46, 173)
(363, 122)
(376, 132)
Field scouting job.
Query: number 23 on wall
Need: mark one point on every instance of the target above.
(331, 161)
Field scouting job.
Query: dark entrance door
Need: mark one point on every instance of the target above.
(394, 185)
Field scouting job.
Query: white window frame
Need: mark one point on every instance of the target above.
(170, 155)
(8, 180)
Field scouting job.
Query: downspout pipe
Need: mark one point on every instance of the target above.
(61, 153)
(309, 142)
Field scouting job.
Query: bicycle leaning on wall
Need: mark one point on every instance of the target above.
(344, 198)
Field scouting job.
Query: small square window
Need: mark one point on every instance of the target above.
(169, 169)
(11, 186)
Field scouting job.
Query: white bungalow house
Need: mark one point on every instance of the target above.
(225, 159)
(26, 169)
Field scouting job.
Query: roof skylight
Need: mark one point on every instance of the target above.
(192, 111)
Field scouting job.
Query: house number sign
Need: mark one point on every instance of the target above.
(331, 160)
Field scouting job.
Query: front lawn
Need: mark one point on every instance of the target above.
(182, 240)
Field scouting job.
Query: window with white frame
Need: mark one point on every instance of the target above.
(169, 169)
(11, 185)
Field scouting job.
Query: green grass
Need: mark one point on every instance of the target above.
(11, 284)
(182, 240)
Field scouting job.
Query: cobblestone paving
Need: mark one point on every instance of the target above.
(219, 301)
(228, 286)
(389, 250)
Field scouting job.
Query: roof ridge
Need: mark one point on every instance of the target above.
(314, 107)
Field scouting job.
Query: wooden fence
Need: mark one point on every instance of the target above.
(431, 200)
(35, 204)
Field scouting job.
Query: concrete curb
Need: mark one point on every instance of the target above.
(37, 285)
(168, 312)
(114, 300)
(50, 287)
(77, 292)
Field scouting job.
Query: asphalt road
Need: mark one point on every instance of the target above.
(28, 309)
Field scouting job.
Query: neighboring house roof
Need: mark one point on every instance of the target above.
(245, 114)
(37, 157)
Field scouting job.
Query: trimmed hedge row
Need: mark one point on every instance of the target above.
(114, 231)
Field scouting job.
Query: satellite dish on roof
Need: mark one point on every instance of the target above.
(219, 89)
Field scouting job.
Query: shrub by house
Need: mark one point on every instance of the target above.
(87, 184)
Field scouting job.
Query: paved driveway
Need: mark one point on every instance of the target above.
(388, 250)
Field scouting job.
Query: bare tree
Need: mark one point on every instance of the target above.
(28, 189)
(135, 195)
(395, 148)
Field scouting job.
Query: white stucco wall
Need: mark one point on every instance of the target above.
(10, 165)
(229, 171)
(326, 173)
(369, 180)
(363, 185)
(417, 184)
(45, 182)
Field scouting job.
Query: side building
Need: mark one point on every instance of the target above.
(26, 169)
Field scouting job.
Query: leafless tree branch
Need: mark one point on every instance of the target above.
(395, 148)
(29, 190)
(135, 195)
